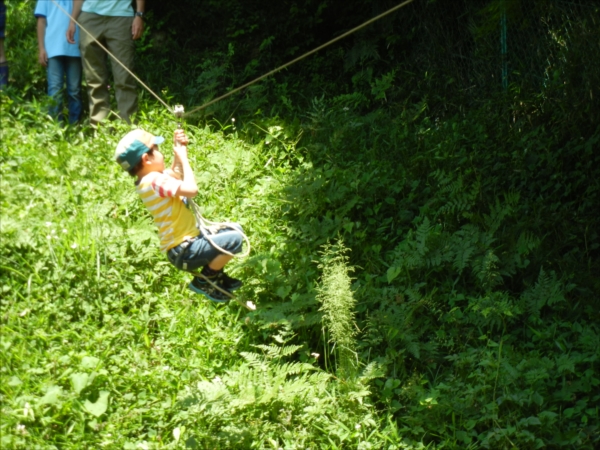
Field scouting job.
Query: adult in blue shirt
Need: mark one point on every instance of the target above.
(62, 60)
(115, 25)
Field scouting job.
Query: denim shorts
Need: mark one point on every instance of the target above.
(198, 252)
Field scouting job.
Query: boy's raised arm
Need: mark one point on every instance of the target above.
(188, 187)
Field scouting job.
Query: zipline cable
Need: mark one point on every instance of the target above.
(342, 36)
(256, 80)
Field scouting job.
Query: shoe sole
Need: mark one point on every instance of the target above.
(206, 294)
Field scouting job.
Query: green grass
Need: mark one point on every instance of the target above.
(471, 310)
(467, 334)
(102, 344)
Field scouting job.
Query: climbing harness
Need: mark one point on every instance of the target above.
(206, 227)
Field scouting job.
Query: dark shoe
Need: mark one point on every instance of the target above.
(231, 284)
(199, 286)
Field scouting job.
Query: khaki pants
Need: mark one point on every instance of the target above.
(114, 33)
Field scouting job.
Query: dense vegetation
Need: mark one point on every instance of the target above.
(425, 256)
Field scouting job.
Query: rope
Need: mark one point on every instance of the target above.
(347, 33)
(209, 228)
(256, 80)
(113, 57)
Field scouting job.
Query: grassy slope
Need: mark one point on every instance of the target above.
(477, 246)
(103, 345)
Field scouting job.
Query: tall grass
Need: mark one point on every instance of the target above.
(338, 305)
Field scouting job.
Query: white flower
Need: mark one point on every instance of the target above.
(233, 119)
(74, 245)
(65, 230)
(21, 429)
(27, 409)
(357, 426)
(48, 236)
(176, 434)
(315, 355)
(165, 368)
(217, 380)
(48, 224)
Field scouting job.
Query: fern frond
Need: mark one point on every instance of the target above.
(275, 351)
(422, 233)
(254, 359)
(548, 290)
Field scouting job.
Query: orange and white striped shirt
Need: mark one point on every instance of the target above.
(172, 214)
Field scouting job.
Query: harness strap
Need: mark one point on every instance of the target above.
(208, 228)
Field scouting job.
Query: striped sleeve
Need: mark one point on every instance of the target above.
(165, 185)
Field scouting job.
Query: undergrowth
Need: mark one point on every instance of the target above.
(425, 270)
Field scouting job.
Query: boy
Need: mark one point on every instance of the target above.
(61, 59)
(168, 199)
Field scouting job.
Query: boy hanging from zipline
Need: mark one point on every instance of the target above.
(168, 197)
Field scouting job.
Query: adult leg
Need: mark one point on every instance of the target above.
(95, 64)
(120, 44)
(73, 69)
(56, 77)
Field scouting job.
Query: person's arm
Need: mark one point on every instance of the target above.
(77, 5)
(188, 187)
(138, 23)
(41, 34)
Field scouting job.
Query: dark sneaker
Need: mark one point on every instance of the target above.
(231, 284)
(199, 286)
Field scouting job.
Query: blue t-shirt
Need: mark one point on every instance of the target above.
(57, 23)
(113, 8)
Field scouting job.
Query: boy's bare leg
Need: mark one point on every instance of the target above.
(219, 262)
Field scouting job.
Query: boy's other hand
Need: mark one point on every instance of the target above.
(43, 58)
